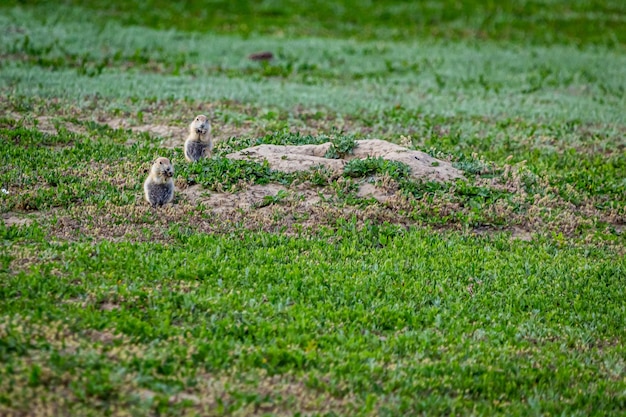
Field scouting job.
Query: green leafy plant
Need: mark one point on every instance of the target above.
(376, 166)
(269, 200)
(340, 147)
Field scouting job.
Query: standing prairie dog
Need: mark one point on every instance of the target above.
(198, 144)
(159, 186)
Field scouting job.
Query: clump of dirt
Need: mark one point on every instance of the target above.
(261, 56)
(299, 158)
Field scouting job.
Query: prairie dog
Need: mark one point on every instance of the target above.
(159, 186)
(198, 144)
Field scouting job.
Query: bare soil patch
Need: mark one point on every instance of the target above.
(298, 209)
(369, 190)
(282, 394)
(521, 234)
(254, 197)
(48, 124)
(102, 336)
(16, 219)
(171, 135)
(226, 202)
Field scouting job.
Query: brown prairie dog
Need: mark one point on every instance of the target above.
(159, 186)
(198, 144)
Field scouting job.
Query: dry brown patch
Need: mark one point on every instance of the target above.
(121, 175)
(102, 336)
(136, 222)
(369, 190)
(25, 256)
(297, 209)
(520, 234)
(48, 124)
(300, 209)
(109, 306)
(282, 395)
(45, 124)
(226, 202)
(18, 219)
(517, 233)
(171, 135)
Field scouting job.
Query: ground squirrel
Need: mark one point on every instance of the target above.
(198, 143)
(159, 186)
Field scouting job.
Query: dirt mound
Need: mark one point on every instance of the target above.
(293, 158)
(299, 158)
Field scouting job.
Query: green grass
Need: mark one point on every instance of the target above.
(394, 319)
(261, 292)
(483, 79)
(579, 22)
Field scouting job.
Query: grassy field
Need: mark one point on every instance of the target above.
(501, 293)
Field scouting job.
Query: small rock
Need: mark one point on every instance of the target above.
(261, 56)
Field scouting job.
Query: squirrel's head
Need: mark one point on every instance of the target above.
(163, 167)
(200, 125)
